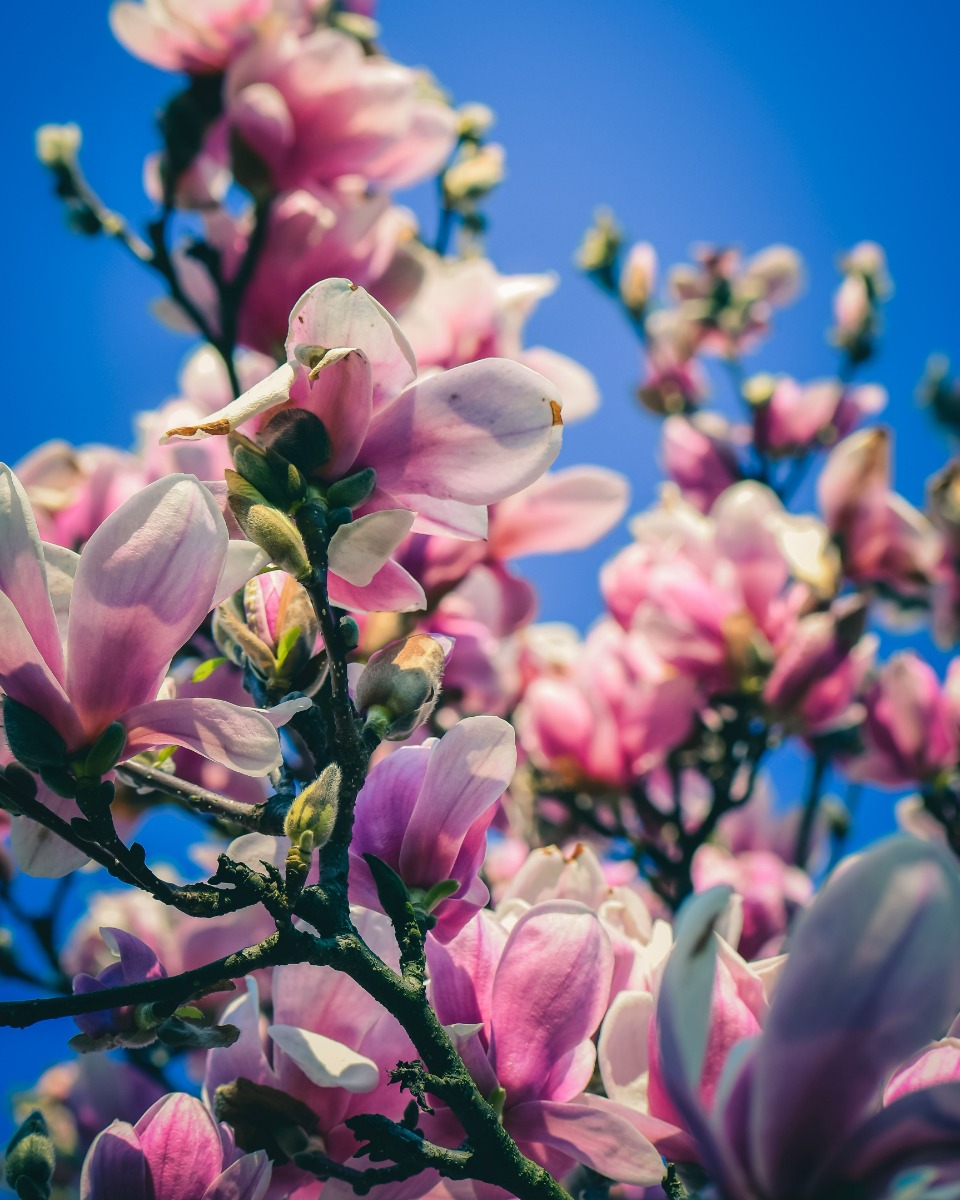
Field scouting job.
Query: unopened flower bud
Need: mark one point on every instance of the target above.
(601, 244)
(639, 277)
(271, 530)
(474, 175)
(58, 144)
(30, 1159)
(314, 811)
(299, 437)
(758, 389)
(475, 121)
(401, 683)
(278, 480)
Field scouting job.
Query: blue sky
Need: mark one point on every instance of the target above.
(809, 123)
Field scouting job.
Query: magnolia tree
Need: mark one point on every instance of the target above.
(486, 908)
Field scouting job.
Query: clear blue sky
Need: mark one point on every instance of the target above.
(816, 124)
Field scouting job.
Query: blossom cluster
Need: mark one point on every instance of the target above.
(490, 907)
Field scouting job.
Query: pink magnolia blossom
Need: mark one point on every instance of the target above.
(563, 510)
(313, 232)
(885, 541)
(425, 811)
(195, 36)
(699, 455)
(525, 1006)
(315, 109)
(143, 584)
(873, 973)
(330, 1046)
(797, 418)
(464, 311)
(443, 448)
(137, 963)
(174, 1152)
(610, 716)
(911, 729)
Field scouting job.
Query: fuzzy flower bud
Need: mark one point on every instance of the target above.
(400, 684)
(474, 175)
(272, 530)
(29, 1160)
(601, 244)
(57, 145)
(314, 811)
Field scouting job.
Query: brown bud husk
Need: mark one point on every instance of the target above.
(402, 681)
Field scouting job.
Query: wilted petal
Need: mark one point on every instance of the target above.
(361, 548)
(267, 394)
(144, 583)
(477, 434)
(242, 739)
(326, 1062)
(873, 973)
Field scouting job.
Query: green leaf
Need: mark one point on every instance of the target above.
(33, 741)
(204, 671)
(286, 644)
(166, 753)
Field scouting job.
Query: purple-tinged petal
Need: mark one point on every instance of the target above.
(246, 1179)
(577, 387)
(145, 582)
(61, 571)
(392, 589)
(462, 971)
(336, 312)
(683, 1027)
(23, 570)
(115, 1166)
(550, 993)
(939, 1063)
(182, 1144)
(361, 548)
(38, 850)
(246, 1058)
(243, 560)
(917, 1126)
(599, 1133)
(873, 974)
(469, 770)
(242, 739)
(138, 961)
(476, 434)
(26, 678)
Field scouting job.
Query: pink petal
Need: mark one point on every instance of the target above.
(37, 850)
(568, 510)
(477, 434)
(144, 584)
(622, 1049)
(246, 1058)
(550, 993)
(462, 971)
(577, 387)
(873, 973)
(260, 115)
(913, 1128)
(23, 572)
(182, 1144)
(598, 1132)
(115, 1163)
(26, 678)
(242, 739)
(246, 1179)
(392, 589)
(469, 770)
(335, 313)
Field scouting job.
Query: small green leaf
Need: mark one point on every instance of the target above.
(286, 644)
(166, 753)
(204, 671)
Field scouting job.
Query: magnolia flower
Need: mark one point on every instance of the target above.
(441, 449)
(523, 1008)
(464, 311)
(144, 582)
(799, 1110)
(425, 811)
(174, 1152)
(196, 36)
(316, 109)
